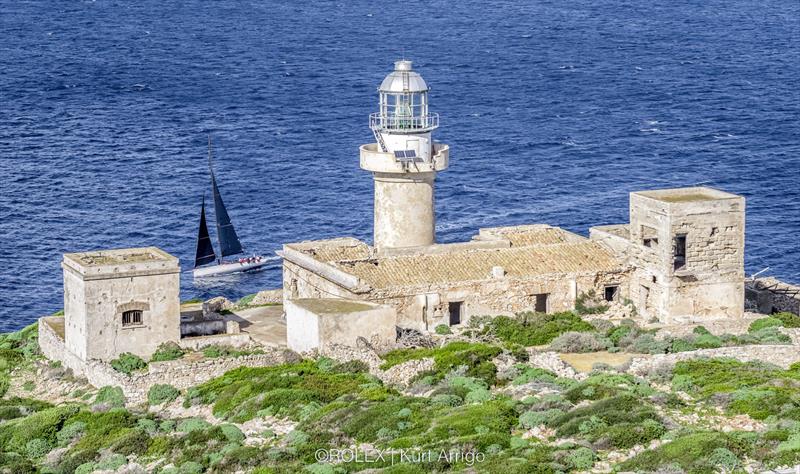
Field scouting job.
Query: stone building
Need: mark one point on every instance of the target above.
(116, 301)
(501, 271)
(680, 258)
(686, 248)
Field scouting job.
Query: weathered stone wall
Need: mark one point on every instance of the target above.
(768, 302)
(425, 307)
(180, 373)
(199, 342)
(711, 283)
(780, 355)
(97, 295)
(314, 324)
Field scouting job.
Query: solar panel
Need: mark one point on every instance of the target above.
(405, 155)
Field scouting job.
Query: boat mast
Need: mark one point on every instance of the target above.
(213, 188)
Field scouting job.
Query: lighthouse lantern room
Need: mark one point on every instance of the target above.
(404, 161)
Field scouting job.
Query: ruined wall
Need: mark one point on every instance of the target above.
(768, 302)
(711, 282)
(180, 373)
(500, 296)
(301, 283)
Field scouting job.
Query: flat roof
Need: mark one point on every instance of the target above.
(333, 305)
(121, 260)
(693, 194)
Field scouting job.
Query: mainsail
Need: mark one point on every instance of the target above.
(205, 251)
(228, 240)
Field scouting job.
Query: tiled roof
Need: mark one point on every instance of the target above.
(470, 265)
(333, 254)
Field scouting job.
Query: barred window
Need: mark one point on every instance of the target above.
(132, 318)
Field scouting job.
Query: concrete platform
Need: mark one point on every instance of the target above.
(265, 324)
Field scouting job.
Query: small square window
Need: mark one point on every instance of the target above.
(132, 318)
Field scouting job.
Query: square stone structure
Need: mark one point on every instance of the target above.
(501, 271)
(313, 323)
(124, 300)
(686, 246)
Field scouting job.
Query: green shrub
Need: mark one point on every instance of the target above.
(616, 334)
(579, 342)
(764, 323)
(110, 396)
(192, 424)
(690, 452)
(37, 448)
(534, 374)
(44, 425)
(443, 329)
(769, 335)
(581, 459)
(127, 363)
(162, 393)
(191, 467)
(531, 419)
(683, 344)
(111, 462)
(605, 384)
(588, 303)
(475, 357)
(167, 351)
(648, 344)
(70, 432)
(790, 320)
(232, 433)
(707, 341)
(535, 329)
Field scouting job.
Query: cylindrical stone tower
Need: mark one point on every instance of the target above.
(404, 161)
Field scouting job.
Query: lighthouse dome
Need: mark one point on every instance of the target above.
(403, 79)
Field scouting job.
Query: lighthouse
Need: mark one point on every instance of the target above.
(404, 161)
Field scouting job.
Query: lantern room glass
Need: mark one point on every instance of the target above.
(404, 110)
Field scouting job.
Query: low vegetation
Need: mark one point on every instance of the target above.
(479, 397)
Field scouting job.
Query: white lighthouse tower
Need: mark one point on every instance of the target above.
(404, 161)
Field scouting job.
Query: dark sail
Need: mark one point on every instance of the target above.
(228, 240)
(205, 251)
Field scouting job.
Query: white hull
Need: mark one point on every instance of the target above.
(228, 267)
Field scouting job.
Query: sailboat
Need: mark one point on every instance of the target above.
(229, 243)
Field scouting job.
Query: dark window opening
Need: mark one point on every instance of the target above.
(611, 293)
(455, 312)
(680, 251)
(132, 318)
(541, 303)
(650, 242)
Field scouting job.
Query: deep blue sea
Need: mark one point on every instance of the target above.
(553, 110)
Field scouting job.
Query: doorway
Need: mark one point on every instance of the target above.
(455, 308)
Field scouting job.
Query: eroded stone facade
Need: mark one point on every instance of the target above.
(686, 247)
(502, 271)
(116, 301)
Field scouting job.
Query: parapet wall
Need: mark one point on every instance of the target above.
(180, 373)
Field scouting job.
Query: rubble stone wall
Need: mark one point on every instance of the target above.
(180, 373)
(780, 355)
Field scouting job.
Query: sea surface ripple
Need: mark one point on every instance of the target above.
(554, 112)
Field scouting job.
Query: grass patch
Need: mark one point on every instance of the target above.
(535, 329)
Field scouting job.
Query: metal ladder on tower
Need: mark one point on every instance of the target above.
(379, 138)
